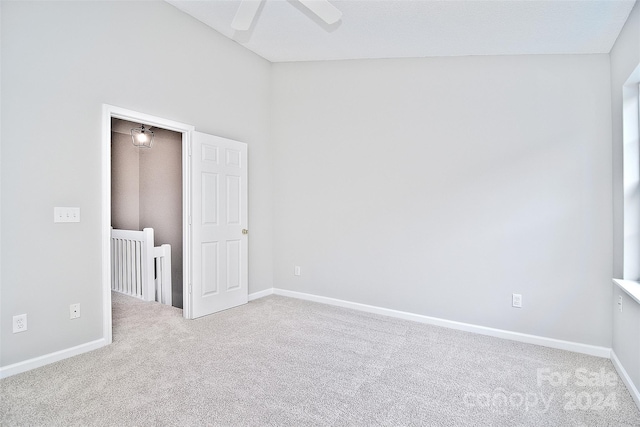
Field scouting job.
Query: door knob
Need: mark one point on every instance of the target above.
(245, 231)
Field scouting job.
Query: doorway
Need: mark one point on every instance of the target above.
(146, 190)
(110, 112)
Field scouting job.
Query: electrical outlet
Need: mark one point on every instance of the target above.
(516, 300)
(620, 303)
(74, 311)
(19, 323)
(296, 270)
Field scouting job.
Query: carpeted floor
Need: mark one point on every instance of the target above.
(285, 362)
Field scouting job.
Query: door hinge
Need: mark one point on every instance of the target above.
(189, 146)
(189, 219)
(190, 288)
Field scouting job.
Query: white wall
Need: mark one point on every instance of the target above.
(60, 62)
(625, 58)
(442, 186)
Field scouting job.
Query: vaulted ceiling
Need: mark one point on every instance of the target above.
(285, 30)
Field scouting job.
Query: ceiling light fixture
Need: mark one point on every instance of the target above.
(142, 137)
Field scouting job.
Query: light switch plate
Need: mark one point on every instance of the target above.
(68, 214)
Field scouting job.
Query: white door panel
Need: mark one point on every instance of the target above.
(219, 215)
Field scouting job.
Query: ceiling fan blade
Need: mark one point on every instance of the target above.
(325, 10)
(245, 14)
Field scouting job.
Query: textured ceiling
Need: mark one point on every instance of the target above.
(284, 30)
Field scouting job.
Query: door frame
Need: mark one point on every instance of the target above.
(108, 112)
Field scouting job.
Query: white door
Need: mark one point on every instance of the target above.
(219, 254)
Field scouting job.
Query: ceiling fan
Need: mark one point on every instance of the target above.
(248, 9)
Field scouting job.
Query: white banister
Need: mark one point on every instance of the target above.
(149, 291)
(162, 255)
(138, 268)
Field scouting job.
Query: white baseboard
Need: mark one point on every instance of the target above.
(261, 294)
(625, 378)
(16, 368)
(27, 365)
(591, 350)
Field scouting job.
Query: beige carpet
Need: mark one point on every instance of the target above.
(285, 362)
